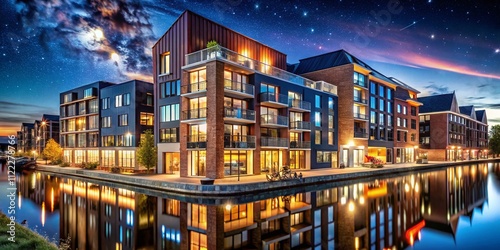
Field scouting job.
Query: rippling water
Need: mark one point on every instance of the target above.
(457, 207)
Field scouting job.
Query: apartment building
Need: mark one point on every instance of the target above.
(449, 132)
(45, 129)
(25, 137)
(366, 121)
(103, 122)
(233, 109)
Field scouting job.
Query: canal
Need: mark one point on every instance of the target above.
(448, 208)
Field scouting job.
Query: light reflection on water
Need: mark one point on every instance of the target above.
(457, 207)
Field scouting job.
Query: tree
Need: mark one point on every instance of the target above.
(53, 151)
(146, 153)
(494, 140)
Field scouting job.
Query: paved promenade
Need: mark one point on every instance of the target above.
(247, 184)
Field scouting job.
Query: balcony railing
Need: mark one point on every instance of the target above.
(233, 57)
(239, 141)
(194, 114)
(274, 97)
(360, 99)
(194, 87)
(300, 125)
(197, 141)
(300, 144)
(241, 87)
(276, 120)
(273, 142)
(360, 133)
(299, 104)
(360, 83)
(239, 113)
(360, 116)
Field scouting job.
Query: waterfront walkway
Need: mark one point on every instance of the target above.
(231, 186)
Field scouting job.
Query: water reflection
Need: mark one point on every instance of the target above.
(381, 214)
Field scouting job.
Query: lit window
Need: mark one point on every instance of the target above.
(123, 120)
(165, 63)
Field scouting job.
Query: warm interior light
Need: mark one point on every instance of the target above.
(362, 200)
(351, 206)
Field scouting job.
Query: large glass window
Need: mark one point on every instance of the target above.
(165, 63)
(106, 121)
(108, 158)
(198, 162)
(381, 90)
(72, 110)
(108, 141)
(71, 125)
(169, 135)
(93, 139)
(237, 162)
(105, 103)
(126, 158)
(198, 218)
(147, 118)
(118, 101)
(93, 106)
(123, 120)
(126, 99)
(81, 108)
(169, 113)
(172, 88)
(317, 137)
(81, 124)
(359, 79)
(317, 101)
(317, 119)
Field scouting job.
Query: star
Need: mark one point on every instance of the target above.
(305, 13)
(497, 51)
(432, 36)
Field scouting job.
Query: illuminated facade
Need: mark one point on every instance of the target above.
(103, 122)
(452, 133)
(233, 109)
(45, 129)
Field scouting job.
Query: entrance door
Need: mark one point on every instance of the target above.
(171, 162)
(345, 157)
(358, 157)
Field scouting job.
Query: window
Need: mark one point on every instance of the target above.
(389, 120)
(82, 140)
(93, 139)
(126, 99)
(399, 108)
(126, 158)
(330, 138)
(149, 100)
(88, 93)
(413, 111)
(381, 119)
(323, 156)
(399, 121)
(331, 103)
(106, 122)
(147, 119)
(118, 101)
(169, 113)
(81, 108)
(68, 97)
(93, 106)
(404, 110)
(359, 79)
(373, 117)
(105, 103)
(413, 137)
(72, 110)
(373, 88)
(373, 102)
(317, 101)
(124, 140)
(317, 119)
(173, 88)
(413, 124)
(317, 137)
(389, 107)
(381, 104)
(123, 120)
(405, 123)
(108, 141)
(381, 91)
(169, 135)
(171, 207)
(389, 94)
(165, 63)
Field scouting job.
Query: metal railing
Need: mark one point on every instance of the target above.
(273, 142)
(197, 141)
(241, 87)
(194, 114)
(360, 99)
(300, 125)
(274, 120)
(360, 116)
(239, 113)
(231, 56)
(274, 97)
(300, 144)
(239, 141)
(194, 87)
(360, 133)
(296, 103)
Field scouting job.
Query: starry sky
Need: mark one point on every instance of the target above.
(50, 46)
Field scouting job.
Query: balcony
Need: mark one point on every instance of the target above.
(299, 105)
(361, 100)
(274, 100)
(238, 115)
(194, 116)
(361, 84)
(197, 58)
(273, 121)
(360, 116)
(360, 133)
(196, 141)
(300, 126)
(239, 141)
(300, 145)
(194, 90)
(238, 89)
(273, 142)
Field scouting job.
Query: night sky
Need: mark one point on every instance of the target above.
(52, 46)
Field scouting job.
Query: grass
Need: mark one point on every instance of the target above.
(25, 238)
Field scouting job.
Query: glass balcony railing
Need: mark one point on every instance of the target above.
(301, 125)
(360, 133)
(299, 104)
(360, 116)
(241, 87)
(233, 57)
(274, 97)
(273, 142)
(239, 141)
(276, 120)
(300, 144)
(360, 99)
(197, 141)
(194, 87)
(194, 114)
(239, 113)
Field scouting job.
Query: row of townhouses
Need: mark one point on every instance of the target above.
(32, 137)
(238, 108)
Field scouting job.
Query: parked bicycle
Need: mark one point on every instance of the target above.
(284, 174)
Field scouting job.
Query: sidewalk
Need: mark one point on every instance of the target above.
(246, 184)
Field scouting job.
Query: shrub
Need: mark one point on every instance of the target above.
(115, 170)
(56, 162)
(64, 164)
(89, 165)
(375, 162)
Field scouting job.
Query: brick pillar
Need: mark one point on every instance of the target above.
(256, 234)
(184, 131)
(215, 227)
(255, 130)
(345, 227)
(215, 120)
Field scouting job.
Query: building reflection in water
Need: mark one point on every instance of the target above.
(380, 214)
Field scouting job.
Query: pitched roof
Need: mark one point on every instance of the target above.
(46, 117)
(466, 110)
(480, 115)
(436, 103)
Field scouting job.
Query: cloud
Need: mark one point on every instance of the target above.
(473, 98)
(434, 89)
(16, 113)
(115, 31)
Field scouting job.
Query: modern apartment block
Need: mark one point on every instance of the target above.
(45, 129)
(233, 109)
(103, 122)
(449, 132)
(25, 135)
(367, 120)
